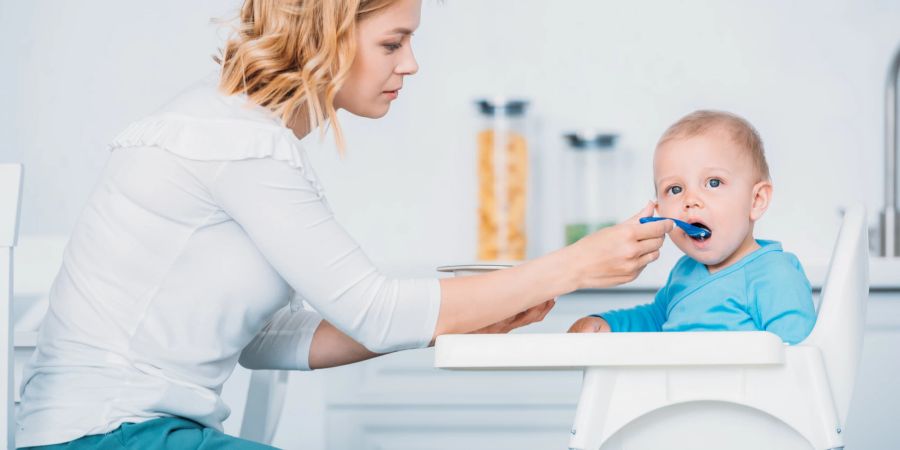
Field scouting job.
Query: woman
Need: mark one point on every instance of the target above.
(209, 228)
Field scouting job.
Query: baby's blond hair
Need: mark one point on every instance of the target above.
(739, 129)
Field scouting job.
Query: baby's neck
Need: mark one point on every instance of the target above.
(748, 246)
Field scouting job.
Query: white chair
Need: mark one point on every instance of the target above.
(265, 395)
(265, 401)
(10, 201)
(708, 390)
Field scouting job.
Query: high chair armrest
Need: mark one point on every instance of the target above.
(575, 351)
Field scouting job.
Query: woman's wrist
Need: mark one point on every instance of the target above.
(561, 270)
(551, 275)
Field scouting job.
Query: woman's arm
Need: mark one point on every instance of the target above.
(608, 257)
(330, 347)
(287, 219)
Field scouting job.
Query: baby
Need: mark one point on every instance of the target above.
(710, 170)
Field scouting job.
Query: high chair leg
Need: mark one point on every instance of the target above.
(587, 431)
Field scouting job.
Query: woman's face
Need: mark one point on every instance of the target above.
(383, 57)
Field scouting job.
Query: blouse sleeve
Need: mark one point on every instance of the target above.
(283, 344)
(287, 218)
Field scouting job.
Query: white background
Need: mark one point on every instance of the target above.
(809, 74)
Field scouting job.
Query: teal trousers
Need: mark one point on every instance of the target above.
(165, 433)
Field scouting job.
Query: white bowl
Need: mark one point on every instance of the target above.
(472, 269)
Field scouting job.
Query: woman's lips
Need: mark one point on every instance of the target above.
(392, 94)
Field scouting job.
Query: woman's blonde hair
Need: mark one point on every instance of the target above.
(292, 54)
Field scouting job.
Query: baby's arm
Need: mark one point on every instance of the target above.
(590, 324)
(785, 306)
(649, 317)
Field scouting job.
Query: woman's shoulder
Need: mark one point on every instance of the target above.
(202, 123)
(204, 101)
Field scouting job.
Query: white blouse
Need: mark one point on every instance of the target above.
(204, 235)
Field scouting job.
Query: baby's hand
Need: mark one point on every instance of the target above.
(590, 324)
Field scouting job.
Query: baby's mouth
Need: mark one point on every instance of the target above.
(703, 237)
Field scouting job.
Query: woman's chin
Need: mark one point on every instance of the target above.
(373, 112)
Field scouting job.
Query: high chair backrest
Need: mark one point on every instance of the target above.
(10, 200)
(842, 310)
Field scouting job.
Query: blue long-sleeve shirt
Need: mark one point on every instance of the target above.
(765, 290)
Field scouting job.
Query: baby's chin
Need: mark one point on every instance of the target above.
(706, 256)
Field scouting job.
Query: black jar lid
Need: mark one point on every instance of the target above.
(509, 107)
(591, 140)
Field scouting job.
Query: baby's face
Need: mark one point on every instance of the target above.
(709, 181)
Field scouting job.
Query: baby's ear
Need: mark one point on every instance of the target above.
(762, 196)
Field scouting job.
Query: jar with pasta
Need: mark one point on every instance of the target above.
(502, 164)
(591, 169)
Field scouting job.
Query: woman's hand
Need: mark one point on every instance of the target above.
(529, 316)
(618, 254)
(590, 324)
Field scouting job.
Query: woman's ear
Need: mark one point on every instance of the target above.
(762, 196)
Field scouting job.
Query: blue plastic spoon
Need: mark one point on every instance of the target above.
(691, 230)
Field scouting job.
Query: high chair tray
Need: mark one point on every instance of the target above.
(575, 351)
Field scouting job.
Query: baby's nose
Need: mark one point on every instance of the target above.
(692, 203)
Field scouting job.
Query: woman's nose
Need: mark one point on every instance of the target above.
(408, 65)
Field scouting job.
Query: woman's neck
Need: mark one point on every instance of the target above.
(299, 123)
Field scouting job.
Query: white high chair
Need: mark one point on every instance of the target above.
(704, 390)
(266, 392)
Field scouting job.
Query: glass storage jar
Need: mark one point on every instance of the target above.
(502, 164)
(591, 170)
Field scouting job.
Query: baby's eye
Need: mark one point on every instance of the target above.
(674, 190)
(714, 183)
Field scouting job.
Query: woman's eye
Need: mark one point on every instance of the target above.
(393, 46)
(674, 190)
(714, 183)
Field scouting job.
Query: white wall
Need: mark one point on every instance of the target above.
(809, 74)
